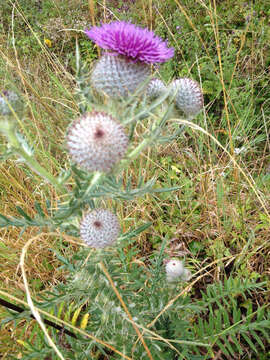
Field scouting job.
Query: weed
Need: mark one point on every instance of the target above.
(215, 216)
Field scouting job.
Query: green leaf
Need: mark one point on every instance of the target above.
(5, 221)
(136, 232)
(21, 212)
(228, 346)
(222, 348)
(39, 209)
(236, 343)
(250, 343)
(257, 338)
(162, 190)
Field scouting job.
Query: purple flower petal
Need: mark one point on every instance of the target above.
(132, 41)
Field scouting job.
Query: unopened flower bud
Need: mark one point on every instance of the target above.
(99, 228)
(96, 141)
(187, 95)
(175, 271)
(8, 100)
(155, 88)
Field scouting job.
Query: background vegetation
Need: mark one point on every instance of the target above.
(219, 219)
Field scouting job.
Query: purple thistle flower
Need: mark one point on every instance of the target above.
(132, 41)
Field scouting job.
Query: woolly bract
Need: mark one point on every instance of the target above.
(118, 76)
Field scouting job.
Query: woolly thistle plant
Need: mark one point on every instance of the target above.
(101, 146)
(120, 305)
(109, 291)
(129, 52)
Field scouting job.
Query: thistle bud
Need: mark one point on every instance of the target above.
(175, 271)
(188, 96)
(96, 141)
(8, 99)
(155, 89)
(99, 228)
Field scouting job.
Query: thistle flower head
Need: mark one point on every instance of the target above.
(127, 39)
(188, 96)
(118, 76)
(175, 271)
(155, 88)
(99, 228)
(8, 99)
(174, 268)
(96, 141)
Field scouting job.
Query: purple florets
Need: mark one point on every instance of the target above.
(132, 41)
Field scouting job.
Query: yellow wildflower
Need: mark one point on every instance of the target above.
(48, 42)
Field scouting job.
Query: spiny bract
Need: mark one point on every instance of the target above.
(118, 76)
(99, 228)
(96, 141)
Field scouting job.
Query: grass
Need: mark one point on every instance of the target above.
(221, 210)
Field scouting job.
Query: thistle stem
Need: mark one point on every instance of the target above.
(9, 130)
(134, 153)
(95, 180)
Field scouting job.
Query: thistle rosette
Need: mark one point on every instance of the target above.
(130, 50)
(188, 96)
(96, 141)
(99, 228)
